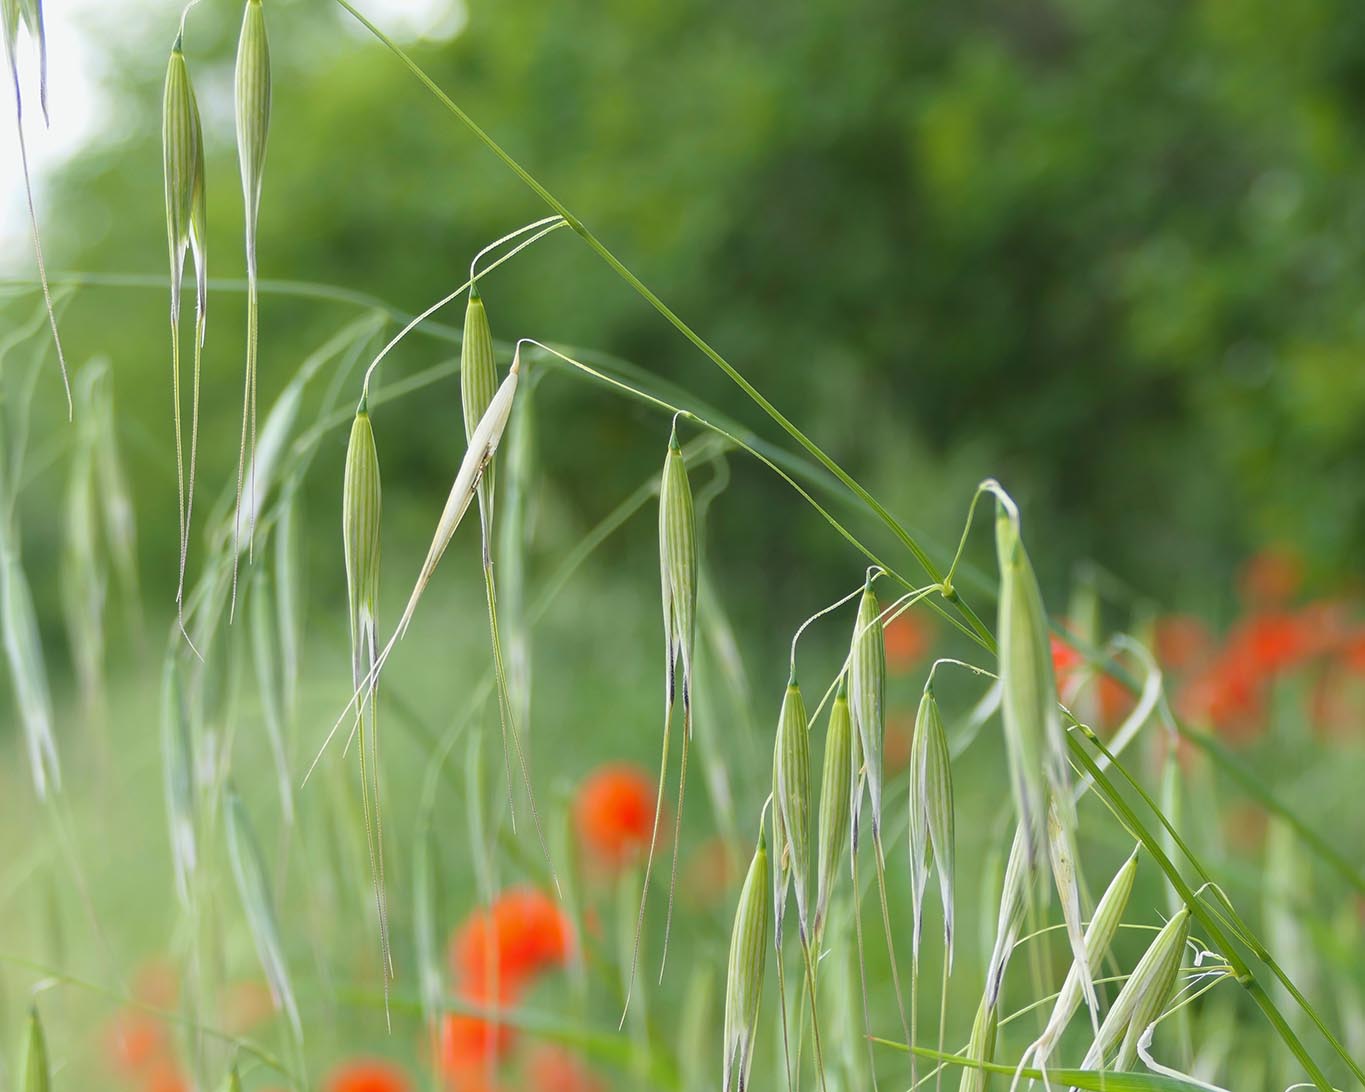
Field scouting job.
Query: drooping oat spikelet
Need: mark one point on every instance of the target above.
(35, 1071)
(791, 776)
(477, 457)
(744, 977)
(253, 885)
(360, 526)
(233, 1082)
(867, 699)
(177, 766)
(478, 384)
(1014, 890)
(678, 587)
(1035, 741)
(252, 101)
(931, 817)
(1143, 997)
(836, 779)
(183, 163)
(1099, 935)
(29, 13)
(24, 650)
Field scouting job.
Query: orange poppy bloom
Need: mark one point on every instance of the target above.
(615, 812)
(555, 1069)
(367, 1075)
(524, 934)
(134, 1041)
(471, 1046)
(165, 1076)
(908, 638)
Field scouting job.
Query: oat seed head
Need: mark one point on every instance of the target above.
(867, 697)
(744, 977)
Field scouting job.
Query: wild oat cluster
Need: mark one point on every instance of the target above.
(1077, 974)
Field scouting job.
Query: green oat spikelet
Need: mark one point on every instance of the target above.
(35, 1070)
(867, 700)
(791, 776)
(1035, 741)
(678, 587)
(1143, 997)
(361, 508)
(931, 817)
(183, 164)
(744, 976)
(252, 110)
(1099, 935)
(478, 384)
(836, 779)
(981, 1048)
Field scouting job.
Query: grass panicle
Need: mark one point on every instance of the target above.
(251, 85)
(361, 510)
(478, 384)
(678, 589)
(744, 975)
(867, 700)
(1099, 936)
(836, 779)
(931, 813)
(1035, 741)
(186, 213)
(791, 779)
(1143, 997)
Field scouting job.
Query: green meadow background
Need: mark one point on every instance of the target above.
(1107, 252)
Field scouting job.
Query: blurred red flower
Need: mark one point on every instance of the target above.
(523, 934)
(470, 1049)
(555, 1069)
(165, 1076)
(367, 1075)
(908, 638)
(134, 1041)
(615, 812)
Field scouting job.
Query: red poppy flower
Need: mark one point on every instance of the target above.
(554, 1069)
(524, 933)
(134, 1041)
(908, 638)
(367, 1075)
(615, 811)
(165, 1076)
(1065, 659)
(471, 1046)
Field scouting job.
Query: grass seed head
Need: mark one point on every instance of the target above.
(931, 815)
(478, 383)
(835, 803)
(1143, 995)
(252, 101)
(792, 777)
(867, 696)
(183, 163)
(678, 567)
(360, 523)
(744, 978)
